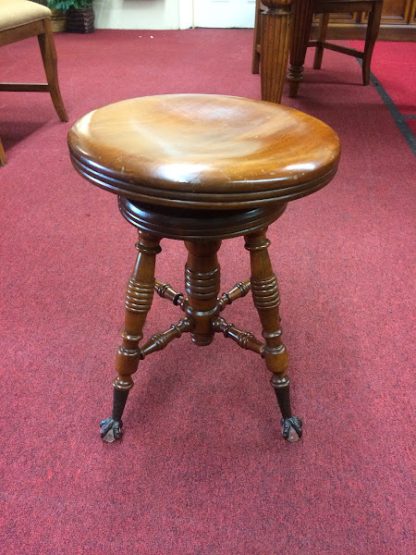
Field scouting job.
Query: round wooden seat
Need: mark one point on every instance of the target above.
(204, 151)
(202, 168)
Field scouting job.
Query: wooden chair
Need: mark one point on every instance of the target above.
(302, 23)
(325, 8)
(20, 19)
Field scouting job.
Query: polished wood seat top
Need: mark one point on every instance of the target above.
(204, 151)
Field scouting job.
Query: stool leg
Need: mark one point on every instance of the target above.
(202, 284)
(138, 302)
(266, 300)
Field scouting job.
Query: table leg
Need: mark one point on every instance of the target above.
(302, 23)
(275, 27)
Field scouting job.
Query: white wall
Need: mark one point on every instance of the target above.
(173, 14)
(143, 14)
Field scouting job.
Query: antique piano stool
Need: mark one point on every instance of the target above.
(202, 168)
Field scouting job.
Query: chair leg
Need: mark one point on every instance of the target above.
(2, 155)
(266, 300)
(48, 51)
(370, 40)
(319, 51)
(255, 61)
(138, 302)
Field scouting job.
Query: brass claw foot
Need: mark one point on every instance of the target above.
(111, 430)
(291, 428)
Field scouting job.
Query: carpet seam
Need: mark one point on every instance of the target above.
(398, 117)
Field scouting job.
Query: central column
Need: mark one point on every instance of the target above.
(202, 284)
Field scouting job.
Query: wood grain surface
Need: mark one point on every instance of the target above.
(204, 151)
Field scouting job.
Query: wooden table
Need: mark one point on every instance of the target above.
(285, 26)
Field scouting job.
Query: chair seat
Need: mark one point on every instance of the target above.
(204, 151)
(14, 13)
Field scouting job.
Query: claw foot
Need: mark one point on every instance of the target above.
(110, 430)
(292, 428)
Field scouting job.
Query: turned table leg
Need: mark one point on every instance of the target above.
(266, 299)
(302, 23)
(138, 302)
(275, 25)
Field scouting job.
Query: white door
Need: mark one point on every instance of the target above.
(224, 13)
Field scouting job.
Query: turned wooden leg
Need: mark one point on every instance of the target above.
(275, 25)
(319, 51)
(48, 51)
(302, 23)
(370, 40)
(202, 284)
(138, 302)
(266, 300)
(2, 155)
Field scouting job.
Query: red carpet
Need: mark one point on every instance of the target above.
(202, 469)
(394, 75)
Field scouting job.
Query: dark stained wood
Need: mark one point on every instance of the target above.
(244, 339)
(266, 300)
(255, 58)
(371, 7)
(159, 341)
(213, 167)
(198, 224)
(41, 28)
(373, 27)
(240, 289)
(139, 298)
(23, 87)
(270, 49)
(202, 285)
(319, 50)
(2, 154)
(303, 13)
(16, 34)
(166, 291)
(275, 25)
(397, 23)
(48, 52)
(358, 30)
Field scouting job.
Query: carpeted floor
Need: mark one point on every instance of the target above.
(394, 76)
(202, 469)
